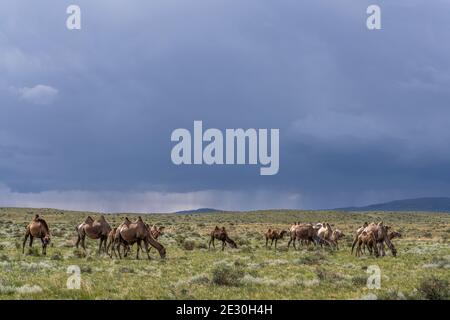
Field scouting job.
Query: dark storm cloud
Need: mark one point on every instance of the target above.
(363, 115)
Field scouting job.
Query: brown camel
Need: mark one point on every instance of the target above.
(94, 229)
(37, 228)
(336, 235)
(155, 233)
(274, 235)
(380, 232)
(137, 232)
(366, 238)
(222, 235)
(302, 232)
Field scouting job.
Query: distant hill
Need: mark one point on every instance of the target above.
(419, 204)
(199, 210)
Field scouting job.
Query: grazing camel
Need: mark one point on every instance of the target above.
(274, 235)
(154, 232)
(222, 235)
(136, 232)
(302, 232)
(394, 234)
(37, 228)
(380, 233)
(94, 229)
(366, 238)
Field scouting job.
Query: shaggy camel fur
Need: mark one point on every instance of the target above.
(222, 235)
(37, 228)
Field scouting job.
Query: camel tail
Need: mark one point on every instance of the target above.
(354, 243)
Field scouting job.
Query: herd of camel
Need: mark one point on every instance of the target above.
(372, 236)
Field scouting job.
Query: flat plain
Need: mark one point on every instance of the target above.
(192, 271)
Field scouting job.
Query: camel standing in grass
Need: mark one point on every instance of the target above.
(94, 229)
(274, 235)
(155, 233)
(302, 232)
(380, 236)
(366, 238)
(336, 235)
(358, 232)
(222, 235)
(136, 232)
(37, 228)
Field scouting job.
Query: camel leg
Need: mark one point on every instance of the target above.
(108, 246)
(289, 243)
(25, 241)
(223, 245)
(295, 248)
(100, 246)
(267, 241)
(271, 243)
(146, 246)
(78, 241)
(31, 241)
(276, 240)
(82, 242)
(137, 249)
(116, 246)
(354, 243)
(44, 247)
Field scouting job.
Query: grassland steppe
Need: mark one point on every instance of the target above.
(192, 271)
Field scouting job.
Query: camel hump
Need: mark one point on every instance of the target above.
(89, 220)
(216, 228)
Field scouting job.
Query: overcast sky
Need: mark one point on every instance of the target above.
(86, 116)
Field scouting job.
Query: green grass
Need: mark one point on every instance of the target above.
(191, 271)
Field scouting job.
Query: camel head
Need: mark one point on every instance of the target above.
(89, 220)
(282, 233)
(231, 243)
(46, 239)
(161, 230)
(162, 253)
(395, 234)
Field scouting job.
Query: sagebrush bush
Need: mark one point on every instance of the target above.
(434, 288)
(189, 244)
(227, 275)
